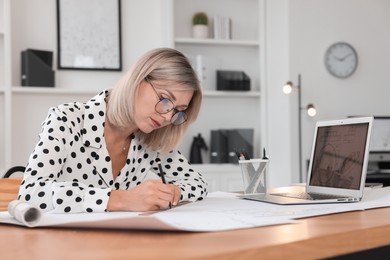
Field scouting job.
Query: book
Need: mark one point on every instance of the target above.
(222, 27)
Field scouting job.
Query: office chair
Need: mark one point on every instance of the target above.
(13, 170)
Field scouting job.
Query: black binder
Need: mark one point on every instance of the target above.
(239, 140)
(218, 146)
(225, 143)
(37, 68)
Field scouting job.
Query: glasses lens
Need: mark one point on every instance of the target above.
(179, 118)
(164, 106)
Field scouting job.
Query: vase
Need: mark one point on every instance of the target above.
(200, 31)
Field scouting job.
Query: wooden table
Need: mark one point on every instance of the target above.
(316, 237)
(8, 191)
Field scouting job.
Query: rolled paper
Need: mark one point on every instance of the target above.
(24, 212)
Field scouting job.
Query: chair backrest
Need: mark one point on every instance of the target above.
(13, 170)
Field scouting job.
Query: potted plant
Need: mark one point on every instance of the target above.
(200, 27)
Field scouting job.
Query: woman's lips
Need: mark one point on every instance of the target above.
(155, 123)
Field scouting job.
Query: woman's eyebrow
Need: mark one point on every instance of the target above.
(171, 95)
(184, 107)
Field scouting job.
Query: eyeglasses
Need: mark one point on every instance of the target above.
(165, 106)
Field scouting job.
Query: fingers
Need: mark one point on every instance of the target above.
(176, 195)
(149, 195)
(167, 194)
(170, 193)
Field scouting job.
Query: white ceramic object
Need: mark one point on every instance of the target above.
(200, 31)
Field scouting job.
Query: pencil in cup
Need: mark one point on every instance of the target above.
(254, 174)
(242, 156)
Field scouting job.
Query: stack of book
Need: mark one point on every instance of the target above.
(222, 27)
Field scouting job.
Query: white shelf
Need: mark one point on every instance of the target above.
(221, 177)
(59, 91)
(217, 42)
(218, 167)
(243, 94)
(54, 91)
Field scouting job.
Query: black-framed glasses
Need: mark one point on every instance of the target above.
(166, 105)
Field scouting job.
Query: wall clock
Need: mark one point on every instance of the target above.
(341, 59)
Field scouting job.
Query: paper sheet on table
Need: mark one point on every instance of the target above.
(218, 212)
(211, 214)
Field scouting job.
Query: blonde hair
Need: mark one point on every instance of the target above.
(173, 71)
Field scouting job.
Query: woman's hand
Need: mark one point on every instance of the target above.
(149, 195)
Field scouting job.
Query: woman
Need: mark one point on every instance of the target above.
(101, 155)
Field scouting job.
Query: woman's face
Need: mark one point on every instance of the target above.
(146, 117)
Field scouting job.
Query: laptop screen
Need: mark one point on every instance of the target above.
(338, 156)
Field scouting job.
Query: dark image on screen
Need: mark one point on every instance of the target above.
(339, 155)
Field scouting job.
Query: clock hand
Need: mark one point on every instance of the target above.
(337, 58)
(346, 56)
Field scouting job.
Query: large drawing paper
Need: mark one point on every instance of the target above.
(218, 212)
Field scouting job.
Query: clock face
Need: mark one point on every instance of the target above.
(341, 60)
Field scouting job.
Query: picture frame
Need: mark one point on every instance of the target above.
(89, 35)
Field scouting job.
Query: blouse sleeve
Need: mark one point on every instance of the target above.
(40, 185)
(179, 171)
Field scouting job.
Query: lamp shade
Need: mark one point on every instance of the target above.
(311, 110)
(287, 88)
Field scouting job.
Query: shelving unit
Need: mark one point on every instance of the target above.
(51, 91)
(217, 42)
(5, 82)
(2, 85)
(225, 109)
(24, 108)
(31, 116)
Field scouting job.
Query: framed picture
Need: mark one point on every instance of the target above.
(89, 34)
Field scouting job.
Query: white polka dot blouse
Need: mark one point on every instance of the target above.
(70, 168)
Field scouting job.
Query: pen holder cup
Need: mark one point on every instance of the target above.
(254, 175)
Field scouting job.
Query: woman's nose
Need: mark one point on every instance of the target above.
(168, 116)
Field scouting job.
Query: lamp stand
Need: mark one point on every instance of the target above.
(300, 128)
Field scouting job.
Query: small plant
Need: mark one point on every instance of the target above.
(200, 18)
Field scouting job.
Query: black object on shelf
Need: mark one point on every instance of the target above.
(37, 68)
(225, 143)
(232, 80)
(239, 140)
(379, 177)
(197, 145)
(218, 146)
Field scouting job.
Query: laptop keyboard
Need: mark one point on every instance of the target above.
(309, 196)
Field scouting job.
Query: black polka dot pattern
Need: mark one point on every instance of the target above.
(69, 171)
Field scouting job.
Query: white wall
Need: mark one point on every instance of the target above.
(145, 25)
(314, 26)
(298, 33)
(34, 25)
(277, 119)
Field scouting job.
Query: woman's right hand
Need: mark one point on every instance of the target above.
(147, 196)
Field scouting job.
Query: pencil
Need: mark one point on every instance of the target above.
(161, 170)
(162, 175)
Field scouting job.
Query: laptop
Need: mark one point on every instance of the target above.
(337, 169)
